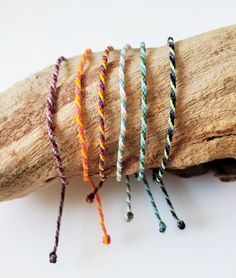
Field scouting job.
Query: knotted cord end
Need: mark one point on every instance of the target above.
(129, 216)
(162, 227)
(53, 257)
(106, 239)
(90, 198)
(181, 225)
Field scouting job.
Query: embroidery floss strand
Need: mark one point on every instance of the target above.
(49, 114)
(140, 176)
(83, 141)
(158, 175)
(122, 110)
(102, 138)
(144, 110)
(129, 214)
(162, 225)
(101, 95)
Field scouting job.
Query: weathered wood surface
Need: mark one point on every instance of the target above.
(205, 116)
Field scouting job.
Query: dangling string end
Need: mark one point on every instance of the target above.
(106, 239)
(53, 257)
(90, 198)
(129, 216)
(181, 224)
(162, 227)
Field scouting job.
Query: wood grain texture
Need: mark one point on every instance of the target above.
(205, 128)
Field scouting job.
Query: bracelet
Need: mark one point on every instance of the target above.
(129, 214)
(123, 112)
(49, 114)
(140, 176)
(158, 175)
(102, 138)
(144, 111)
(83, 142)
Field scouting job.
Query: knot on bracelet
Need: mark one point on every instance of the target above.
(90, 197)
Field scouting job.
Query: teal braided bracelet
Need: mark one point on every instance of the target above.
(144, 111)
(140, 176)
(158, 175)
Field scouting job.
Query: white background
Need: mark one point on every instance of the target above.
(32, 35)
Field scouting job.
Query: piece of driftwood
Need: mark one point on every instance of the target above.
(205, 131)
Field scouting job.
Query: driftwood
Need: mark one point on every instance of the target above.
(205, 132)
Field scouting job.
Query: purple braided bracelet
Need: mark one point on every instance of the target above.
(49, 113)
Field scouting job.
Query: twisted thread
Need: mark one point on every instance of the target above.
(158, 175)
(101, 95)
(49, 115)
(144, 111)
(123, 112)
(129, 214)
(78, 112)
(162, 225)
(101, 127)
(82, 139)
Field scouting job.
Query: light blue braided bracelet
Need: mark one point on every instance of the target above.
(129, 214)
(122, 111)
(144, 111)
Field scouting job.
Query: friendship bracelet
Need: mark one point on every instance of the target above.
(49, 114)
(78, 113)
(129, 214)
(102, 138)
(158, 175)
(162, 225)
(144, 111)
(101, 95)
(83, 142)
(123, 112)
(141, 174)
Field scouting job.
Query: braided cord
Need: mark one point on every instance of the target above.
(78, 112)
(162, 225)
(49, 115)
(83, 142)
(170, 132)
(101, 95)
(123, 111)
(144, 111)
(129, 214)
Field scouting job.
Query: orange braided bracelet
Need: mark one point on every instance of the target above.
(82, 139)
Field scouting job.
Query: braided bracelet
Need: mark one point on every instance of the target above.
(49, 114)
(123, 112)
(83, 142)
(129, 214)
(144, 111)
(102, 138)
(158, 175)
(140, 176)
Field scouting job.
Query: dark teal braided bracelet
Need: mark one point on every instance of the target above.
(158, 174)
